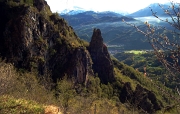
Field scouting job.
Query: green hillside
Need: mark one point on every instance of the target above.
(46, 68)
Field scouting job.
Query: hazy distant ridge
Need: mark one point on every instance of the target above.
(147, 10)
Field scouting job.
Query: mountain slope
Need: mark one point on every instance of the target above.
(42, 42)
(11, 105)
(147, 10)
(90, 17)
(52, 62)
(114, 31)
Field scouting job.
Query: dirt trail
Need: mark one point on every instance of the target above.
(51, 109)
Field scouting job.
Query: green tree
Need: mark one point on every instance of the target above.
(65, 93)
(165, 40)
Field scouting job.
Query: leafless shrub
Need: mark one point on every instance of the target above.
(7, 77)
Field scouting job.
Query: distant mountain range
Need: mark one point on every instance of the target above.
(140, 13)
(115, 32)
(147, 10)
(73, 11)
(91, 17)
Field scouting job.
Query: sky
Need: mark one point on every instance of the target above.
(128, 6)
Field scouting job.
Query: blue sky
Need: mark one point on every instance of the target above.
(102, 5)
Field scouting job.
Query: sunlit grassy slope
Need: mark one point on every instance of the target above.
(10, 105)
(136, 51)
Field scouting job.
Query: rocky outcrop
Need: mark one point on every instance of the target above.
(40, 4)
(126, 93)
(26, 39)
(102, 63)
(146, 99)
(76, 64)
(142, 98)
(83, 65)
(33, 41)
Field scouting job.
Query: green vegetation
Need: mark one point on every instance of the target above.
(165, 43)
(10, 105)
(136, 52)
(148, 63)
(25, 90)
(21, 85)
(125, 73)
(29, 2)
(96, 97)
(16, 86)
(20, 2)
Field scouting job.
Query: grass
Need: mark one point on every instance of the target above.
(25, 95)
(27, 87)
(136, 51)
(125, 78)
(10, 105)
(137, 78)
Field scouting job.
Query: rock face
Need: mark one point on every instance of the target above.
(102, 63)
(141, 97)
(126, 93)
(30, 40)
(146, 99)
(40, 4)
(31, 37)
(76, 64)
(82, 67)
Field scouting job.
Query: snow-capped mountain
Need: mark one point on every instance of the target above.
(76, 10)
(147, 10)
(72, 11)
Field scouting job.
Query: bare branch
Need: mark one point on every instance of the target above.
(166, 45)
